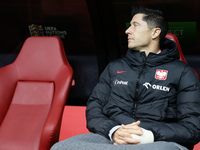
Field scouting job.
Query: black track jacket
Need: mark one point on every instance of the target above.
(159, 90)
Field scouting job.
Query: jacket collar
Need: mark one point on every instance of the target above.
(168, 53)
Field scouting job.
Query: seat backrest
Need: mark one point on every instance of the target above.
(40, 59)
(39, 86)
(173, 37)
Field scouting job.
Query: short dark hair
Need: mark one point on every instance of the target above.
(154, 18)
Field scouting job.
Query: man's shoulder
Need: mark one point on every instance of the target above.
(180, 64)
(183, 65)
(185, 68)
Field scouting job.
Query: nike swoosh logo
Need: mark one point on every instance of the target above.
(121, 71)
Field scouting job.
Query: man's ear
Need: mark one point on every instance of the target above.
(155, 33)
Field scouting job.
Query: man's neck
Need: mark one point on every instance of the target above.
(156, 50)
(151, 49)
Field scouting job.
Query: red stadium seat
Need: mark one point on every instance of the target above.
(33, 93)
(172, 37)
(73, 122)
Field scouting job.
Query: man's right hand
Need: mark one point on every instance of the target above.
(123, 135)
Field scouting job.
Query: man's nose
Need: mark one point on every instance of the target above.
(128, 31)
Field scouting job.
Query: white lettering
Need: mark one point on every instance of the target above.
(120, 82)
(50, 28)
(157, 87)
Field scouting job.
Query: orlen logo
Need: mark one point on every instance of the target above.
(156, 87)
(117, 82)
(161, 74)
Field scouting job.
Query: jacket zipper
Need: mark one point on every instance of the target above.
(137, 87)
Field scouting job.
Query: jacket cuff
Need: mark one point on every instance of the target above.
(112, 131)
